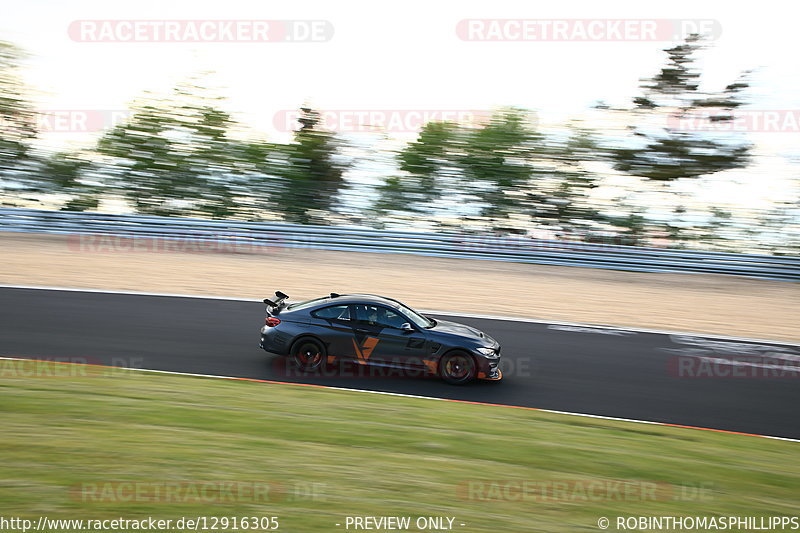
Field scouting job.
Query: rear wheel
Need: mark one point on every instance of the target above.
(307, 354)
(457, 368)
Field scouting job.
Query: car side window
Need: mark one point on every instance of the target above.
(335, 312)
(377, 315)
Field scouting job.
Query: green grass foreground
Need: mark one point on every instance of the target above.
(329, 454)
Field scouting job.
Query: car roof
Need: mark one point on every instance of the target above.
(346, 299)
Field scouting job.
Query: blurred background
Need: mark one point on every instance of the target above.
(433, 118)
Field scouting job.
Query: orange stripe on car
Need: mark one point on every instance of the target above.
(432, 365)
(363, 352)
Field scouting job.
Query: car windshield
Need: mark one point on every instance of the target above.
(419, 320)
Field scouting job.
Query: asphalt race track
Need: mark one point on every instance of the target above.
(723, 384)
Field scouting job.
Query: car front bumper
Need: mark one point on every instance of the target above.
(495, 375)
(489, 369)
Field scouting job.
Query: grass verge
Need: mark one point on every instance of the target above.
(72, 439)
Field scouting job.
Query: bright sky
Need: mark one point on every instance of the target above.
(403, 55)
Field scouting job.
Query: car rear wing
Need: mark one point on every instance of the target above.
(277, 302)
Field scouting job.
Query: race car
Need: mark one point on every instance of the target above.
(378, 331)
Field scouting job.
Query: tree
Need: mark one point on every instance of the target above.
(430, 172)
(560, 190)
(455, 165)
(176, 156)
(662, 147)
(311, 174)
(17, 122)
(665, 145)
(496, 162)
(65, 173)
(502, 169)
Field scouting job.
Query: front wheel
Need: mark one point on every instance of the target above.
(457, 368)
(307, 354)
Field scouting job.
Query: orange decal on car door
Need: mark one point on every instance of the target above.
(365, 350)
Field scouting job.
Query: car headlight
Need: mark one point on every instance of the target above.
(488, 352)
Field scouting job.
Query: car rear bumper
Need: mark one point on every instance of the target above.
(274, 341)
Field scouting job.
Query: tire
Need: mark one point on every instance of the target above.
(457, 368)
(307, 354)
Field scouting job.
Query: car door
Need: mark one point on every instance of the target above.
(380, 338)
(338, 329)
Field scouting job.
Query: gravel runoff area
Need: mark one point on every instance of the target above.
(684, 302)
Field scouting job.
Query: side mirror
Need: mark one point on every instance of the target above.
(407, 328)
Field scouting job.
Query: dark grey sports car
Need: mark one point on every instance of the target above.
(379, 331)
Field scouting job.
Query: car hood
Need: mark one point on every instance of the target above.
(461, 330)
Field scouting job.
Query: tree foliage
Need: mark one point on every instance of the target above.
(662, 146)
(311, 173)
(176, 156)
(17, 119)
(184, 154)
(504, 168)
